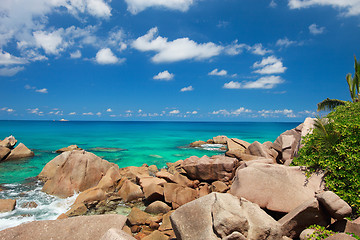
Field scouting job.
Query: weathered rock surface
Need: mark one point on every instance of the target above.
(154, 192)
(303, 216)
(4, 152)
(304, 235)
(218, 216)
(210, 169)
(220, 139)
(258, 149)
(138, 217)
(8, 142)
(177, 195)
(116, 234)
(157, 207)
(275, 187)
(335, 206)
(340, 236)
(134, 173)
(69, 148)
(73, 171)
(130, 191)
(29, 205)
(7, 205)
(197, 143)
(20, 151)
(75, 228)
(156, 235)
(91, 195)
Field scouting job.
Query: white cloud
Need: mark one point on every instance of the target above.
(268, 82)
(236, 48)
(273, 4)
(165, 75)
(222, 112)
(8, 59)
(285, 42)
(72, 113)
(315, 29)
(116, 39)
(35, 111)
(177, 50)
(76, 54)
(9, 110)
(109, 110)
(51, 42)
(194, 112)
(258, 49)
(98, 114)
(98, 8)
(43, 90)
(216, 72)
(106, 56)
(187, 89)
(128, 111)
(350, 7)
(88, 114)
(136, 6)
(269, 65)
(275, 113)
(9, 72)
(174, 111)
(240, 111)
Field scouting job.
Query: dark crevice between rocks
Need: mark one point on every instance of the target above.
(274, 214)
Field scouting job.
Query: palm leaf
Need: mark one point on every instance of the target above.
(329, 104)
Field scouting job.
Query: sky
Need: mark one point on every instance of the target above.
(174, 60)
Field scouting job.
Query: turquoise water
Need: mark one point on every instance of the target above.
(135, 143)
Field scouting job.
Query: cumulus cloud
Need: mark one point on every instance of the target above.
(51, 42)
(98, 8)
(268, 82)
(6, 109)
(258, 49)
(9, 72)
(349, 7)
(109, 110)
(106, 56)
(177, 50)
(35, 111)
(42, 90)
(174, 111)
(275, 113)
(88, 114)
(32, 88)
(187, 89)
(165, 75)
(72, 113)
(269, 65)
(240, 111)
(136, 6)
(273, 4)
(216, 72)
(315, 29)
(285, 42)
(221, 112)
(8, 59)
(236, 48)
(76, 54)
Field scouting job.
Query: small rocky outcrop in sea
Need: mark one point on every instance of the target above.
(8, 151)
(7, 205)
(68, 148)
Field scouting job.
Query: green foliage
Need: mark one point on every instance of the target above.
(320, 233)
(329, 104)
(334, 147)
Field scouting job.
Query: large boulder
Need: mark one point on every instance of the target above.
(220, 215)
(197, 143)
(7, 205)
(210, 169)
(73, 171)
(303, 216)
(116, 234)
(20, 151)
(259, 150)
(157, 207)
(69, 148)
(335, 206)
(130, 191)
(236, 147)
(220, 139)
(134, 173)
(4, 152)
(275, 187)
(74, 228)
(8, 142)
(178, 195)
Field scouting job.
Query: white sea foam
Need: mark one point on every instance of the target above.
(212, 147)
(49, 207)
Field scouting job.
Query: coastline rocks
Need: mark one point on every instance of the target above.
(74, 228)
(116, 234)
(210, 169)
(197, 143)
(20, 151)
(177, 195)
(130, 191)
(303, 216)
(223, 216)
(4, 152)
(157, 207)
(8, 142)
(335, 206)
(69, 148)
(220, 139)
(7, 205)
(29, 205)
(71, 172)
(275, 187)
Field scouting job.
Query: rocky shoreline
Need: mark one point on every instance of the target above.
(251, 192)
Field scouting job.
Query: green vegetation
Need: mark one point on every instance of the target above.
(353, 84)
(322, 233)
(334, 147)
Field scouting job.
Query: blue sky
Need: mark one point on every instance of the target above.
(194, 60)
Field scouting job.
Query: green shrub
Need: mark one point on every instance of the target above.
(334, 147)
(322, 233)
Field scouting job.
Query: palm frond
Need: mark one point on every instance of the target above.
(329, 104)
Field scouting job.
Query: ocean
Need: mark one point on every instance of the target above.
(123, 143)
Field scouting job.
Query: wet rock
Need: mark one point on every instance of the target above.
(210, 169)
(77, 209)
(157, 207)
(73, 171)
(7, 205)
(20, 151)
(220, 139)
(335, 206)
(69, 148)
(29, 205)
(197, 143)
(74, 228)
(275, 187)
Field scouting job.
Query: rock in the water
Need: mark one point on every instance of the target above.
(275, 187)
(74, 228)
(336, 207)
(116, 234)
(130, 191)
(73, 171)
(7, 205)
(210, 169)
(4, 152)
(157, 207)
(197, 143)
(218, 215)
(29, 205)
(69, 148)
(303, 216)
(8, 142)
(20, 151)
(220, 139)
